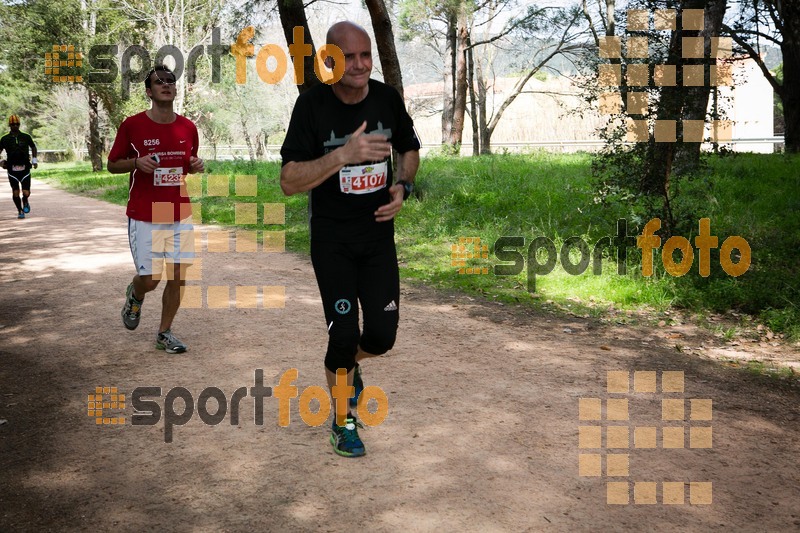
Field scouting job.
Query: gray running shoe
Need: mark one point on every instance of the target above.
(132, 310)
(169, 343)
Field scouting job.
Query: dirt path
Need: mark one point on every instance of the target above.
(482, 432)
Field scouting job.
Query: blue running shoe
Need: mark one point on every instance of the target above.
(21, 215)
(26, 208)
(358, 384)
(345, 438)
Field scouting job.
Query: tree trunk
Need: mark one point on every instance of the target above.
(661, 157)
(486, 141)
(460, 81)
(259, 147)
(484, 135)
(655, 178)
(247, 139)
(449, 78)
(384, 40)
(293, 13)
(488, 129)
(687, 157)
(95, 144)
(473, 107)
(790, 48)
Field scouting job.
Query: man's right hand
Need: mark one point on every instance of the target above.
(146, 164)
(371, 147)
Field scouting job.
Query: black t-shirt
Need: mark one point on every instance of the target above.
(16, 148)
(342, 208)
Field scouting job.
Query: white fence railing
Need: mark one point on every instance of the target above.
(272, 152)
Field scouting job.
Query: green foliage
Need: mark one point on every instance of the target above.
(18, 97)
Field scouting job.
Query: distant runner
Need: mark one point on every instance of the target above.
(18, 164)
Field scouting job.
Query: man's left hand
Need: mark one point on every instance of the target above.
(388, 211)
(196, 165)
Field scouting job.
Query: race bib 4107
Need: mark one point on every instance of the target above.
(363, 179)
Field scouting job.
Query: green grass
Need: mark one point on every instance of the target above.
(551, 196)
(775, 373)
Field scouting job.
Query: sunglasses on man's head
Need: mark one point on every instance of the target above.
(164, 81)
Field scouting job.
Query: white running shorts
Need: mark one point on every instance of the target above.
(152, 244)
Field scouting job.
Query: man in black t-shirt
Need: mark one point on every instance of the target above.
(18, 164)
(338, 148)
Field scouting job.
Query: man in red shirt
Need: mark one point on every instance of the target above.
(158, 148)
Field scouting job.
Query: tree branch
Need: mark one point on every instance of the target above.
(757, 58)
(588, 18)
(731, 31)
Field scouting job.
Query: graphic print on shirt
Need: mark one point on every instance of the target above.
(361, 179)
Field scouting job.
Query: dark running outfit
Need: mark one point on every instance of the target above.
(18, 163)
(353, 256)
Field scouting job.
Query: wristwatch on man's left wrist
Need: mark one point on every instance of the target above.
(408, 188)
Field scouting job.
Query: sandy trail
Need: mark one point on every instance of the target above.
(482, 432)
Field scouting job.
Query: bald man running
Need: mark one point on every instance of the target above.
(338, 148)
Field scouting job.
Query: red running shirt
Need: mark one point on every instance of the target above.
(174, 143)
